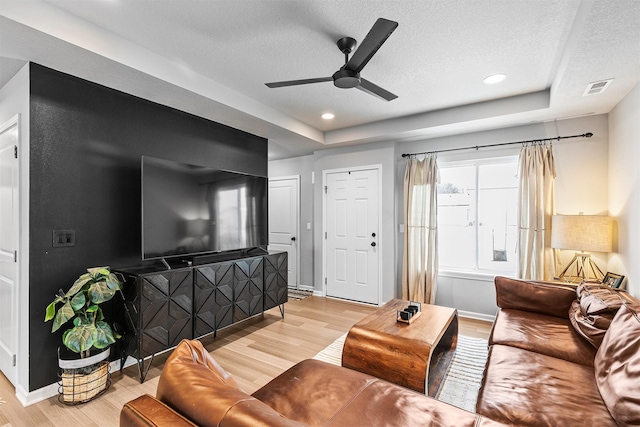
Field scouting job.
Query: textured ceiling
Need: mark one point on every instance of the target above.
(212, 58)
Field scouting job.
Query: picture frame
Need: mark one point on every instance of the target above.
(613, 280)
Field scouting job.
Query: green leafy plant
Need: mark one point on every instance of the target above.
(82, 305)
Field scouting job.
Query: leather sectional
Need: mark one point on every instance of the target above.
(194, 390)
(559, 355)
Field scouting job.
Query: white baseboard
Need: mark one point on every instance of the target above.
(27, 398)
(317, 293)
(476, 316)
(30, 397)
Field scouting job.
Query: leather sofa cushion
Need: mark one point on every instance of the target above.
(617, 366)
(530, 389)
(319, 394)
(539, 297)
(542, 334)
(592, 312)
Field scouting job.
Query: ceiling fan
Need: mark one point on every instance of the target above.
(348, 76)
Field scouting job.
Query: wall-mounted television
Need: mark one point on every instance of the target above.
(189, 210)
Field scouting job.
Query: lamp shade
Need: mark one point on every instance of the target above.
(591, 233)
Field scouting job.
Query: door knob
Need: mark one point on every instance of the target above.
(293, 239)
(373, 243)
(373, 234)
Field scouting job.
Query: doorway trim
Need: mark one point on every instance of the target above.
(326, 172)
(14, 375)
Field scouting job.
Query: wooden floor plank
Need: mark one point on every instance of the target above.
(254, 352)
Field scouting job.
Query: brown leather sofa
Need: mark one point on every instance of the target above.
(562, 355)
(194, 390)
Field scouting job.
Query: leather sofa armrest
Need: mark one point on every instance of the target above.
(549, 298)
(197, 387)
(148, 411)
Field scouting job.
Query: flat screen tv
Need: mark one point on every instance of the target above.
(189, 210)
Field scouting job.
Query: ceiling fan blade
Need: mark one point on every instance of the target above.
(299, 82)
(378, 34)
(375, 90)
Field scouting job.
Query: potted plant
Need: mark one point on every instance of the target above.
(86, 376)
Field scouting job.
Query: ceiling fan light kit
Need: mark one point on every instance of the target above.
(348, 76)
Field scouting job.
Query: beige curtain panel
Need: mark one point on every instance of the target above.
(420, 260)
(536, 205)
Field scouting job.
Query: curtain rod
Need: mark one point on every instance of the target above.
(557, 138)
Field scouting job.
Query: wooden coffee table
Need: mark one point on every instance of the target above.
(413, 355)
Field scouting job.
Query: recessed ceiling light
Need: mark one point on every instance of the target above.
(328, 116)
(495, 78)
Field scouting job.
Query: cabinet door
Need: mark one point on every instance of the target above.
(248, 288)
(213, 295)
(275, 280)
(166, 307)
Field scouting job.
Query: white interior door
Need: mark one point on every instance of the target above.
(283, 221)
(352, 235)
(8, 247)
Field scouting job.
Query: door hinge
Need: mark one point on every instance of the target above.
(15, 151)
(325, 234)
(325, 280)
(325, 189)
(13, 360)
(15, 256)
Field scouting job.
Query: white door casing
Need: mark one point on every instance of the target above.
(352, 234)
(9, 221)
(284, 222)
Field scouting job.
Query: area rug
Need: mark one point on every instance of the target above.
(298, 294)
(462, 381)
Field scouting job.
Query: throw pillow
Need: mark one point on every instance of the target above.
(592, 312)
(617, 366)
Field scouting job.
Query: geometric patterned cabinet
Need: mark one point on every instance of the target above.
(248, 288)
(158, 312)
(275, 279)
(165, 310)
(162, 308)
(213, 297)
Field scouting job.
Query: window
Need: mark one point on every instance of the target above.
(477, 203)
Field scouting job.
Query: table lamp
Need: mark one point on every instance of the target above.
(583, 233)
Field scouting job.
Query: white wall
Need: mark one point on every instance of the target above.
(582, 185)
(624, 187)
(311, 261)
(14, 99)
(302, 166)
(339, 158)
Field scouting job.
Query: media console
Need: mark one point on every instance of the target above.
(163, 306)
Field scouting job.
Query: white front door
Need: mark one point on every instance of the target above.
(352, 235)
(8, 247)
(283, 221)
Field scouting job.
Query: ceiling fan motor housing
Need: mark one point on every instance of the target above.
(346, 45)
(346, 79)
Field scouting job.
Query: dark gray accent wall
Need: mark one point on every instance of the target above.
(85, 152)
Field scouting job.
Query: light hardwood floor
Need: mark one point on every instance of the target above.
(254, 352)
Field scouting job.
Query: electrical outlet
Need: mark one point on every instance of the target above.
(64, 238)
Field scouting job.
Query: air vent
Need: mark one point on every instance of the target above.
(597, 87)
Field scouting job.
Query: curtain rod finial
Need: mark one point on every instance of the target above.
(588, 134)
